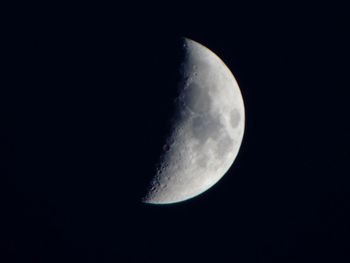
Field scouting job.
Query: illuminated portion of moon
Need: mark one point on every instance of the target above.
(206, 132)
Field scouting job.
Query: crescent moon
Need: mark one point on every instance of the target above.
(206, 132)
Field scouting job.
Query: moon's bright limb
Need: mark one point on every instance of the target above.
(206, 133)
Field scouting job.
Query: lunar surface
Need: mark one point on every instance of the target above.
(206, 131)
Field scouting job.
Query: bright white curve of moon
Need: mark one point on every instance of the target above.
(206, 132)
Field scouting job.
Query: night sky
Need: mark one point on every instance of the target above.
(83, 133)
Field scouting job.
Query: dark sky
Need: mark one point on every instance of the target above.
(85, 127)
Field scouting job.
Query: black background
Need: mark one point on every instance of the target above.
(87, 120)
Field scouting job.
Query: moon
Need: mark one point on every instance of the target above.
(206, 130)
